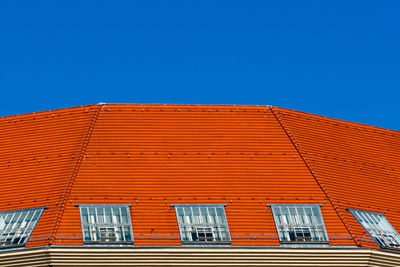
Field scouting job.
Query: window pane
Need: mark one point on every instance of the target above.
(378, 227)
(17, 226)
(2, 222)
(100, 215)
(108, 215)
(116, 218)
(316, 217)
(124, 215)
(92, 215)
(196, 215)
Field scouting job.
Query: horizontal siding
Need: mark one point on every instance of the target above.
(200, 257)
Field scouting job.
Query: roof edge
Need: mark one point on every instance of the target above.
(48, 111)
(337, 119)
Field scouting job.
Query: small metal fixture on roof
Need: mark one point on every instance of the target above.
(102, 103)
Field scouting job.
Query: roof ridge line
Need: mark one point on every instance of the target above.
(75, 169)
(43, 111)
(355, 123)
(311, 170)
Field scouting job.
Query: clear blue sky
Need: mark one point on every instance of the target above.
(335, 58)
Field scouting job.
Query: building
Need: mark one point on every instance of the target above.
(196, 185)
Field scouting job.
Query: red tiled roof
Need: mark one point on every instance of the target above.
(357, 165)
(37, 154)
(152, 156)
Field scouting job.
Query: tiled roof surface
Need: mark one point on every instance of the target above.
(357, 165)
(37, 153)
(152, 156)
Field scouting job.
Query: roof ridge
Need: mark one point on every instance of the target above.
(188, 105)
(46, 111)
(339, 120)
(298, 148)
(74, 171)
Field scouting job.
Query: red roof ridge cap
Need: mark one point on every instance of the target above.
(189, 105)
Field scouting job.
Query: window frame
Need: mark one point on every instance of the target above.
(377, 241)
(102, 242)
(307, 242)
(203, 243)
(41, 209)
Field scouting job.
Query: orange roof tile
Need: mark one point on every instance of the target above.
(37, 152)
(152, 156)
(357, 165)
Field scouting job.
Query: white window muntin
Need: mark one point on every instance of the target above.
(106, 223)
(17, 226)
(378, 227)
(299, 223)
(196, 221)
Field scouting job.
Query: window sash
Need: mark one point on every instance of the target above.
(378, 227)
(17, 226)
(202, 223)
(299, 223)
(106, 223)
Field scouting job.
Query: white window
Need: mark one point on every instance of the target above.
(106, 224)
(202, 224)
(17, 226)
(378, 228)
(299, 223)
